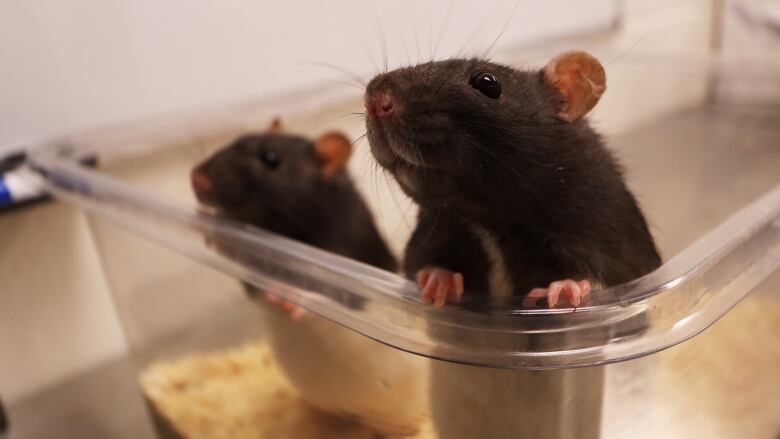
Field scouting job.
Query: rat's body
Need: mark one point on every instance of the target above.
(518, 196)
(299, 188)
(511, 194)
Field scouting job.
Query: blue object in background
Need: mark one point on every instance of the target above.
(5, 193)
(16, 189)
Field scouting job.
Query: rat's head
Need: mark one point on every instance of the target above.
(454, 131)
(269, 179)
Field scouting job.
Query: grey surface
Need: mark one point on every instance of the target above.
(690, 171)
(103, 403)
(724, 383)
(106, 402)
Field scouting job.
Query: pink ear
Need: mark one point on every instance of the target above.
(334, 149)
(580, 80)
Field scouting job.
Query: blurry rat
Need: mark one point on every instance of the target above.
(297, 188)
(300, 188)
(518, 194)
(294, 187)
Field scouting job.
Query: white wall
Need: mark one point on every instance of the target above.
(67, 65)
(70, 64)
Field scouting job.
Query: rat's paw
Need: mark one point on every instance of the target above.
(295, 311)
(574, 291)
(439, 284)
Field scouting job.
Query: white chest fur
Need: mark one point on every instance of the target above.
(499, 282)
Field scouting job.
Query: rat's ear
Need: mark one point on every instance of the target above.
(580, 80)
(334, 149)
(276, 125)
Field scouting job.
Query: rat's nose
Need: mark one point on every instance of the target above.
(200, 182)
(380, 104)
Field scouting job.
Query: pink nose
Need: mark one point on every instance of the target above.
(381, 104)
(200, 183)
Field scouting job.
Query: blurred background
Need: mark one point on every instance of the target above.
(70, 65)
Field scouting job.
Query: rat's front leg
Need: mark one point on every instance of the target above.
(440, 285)
(295, 311)
(576, 292)
(445, 259)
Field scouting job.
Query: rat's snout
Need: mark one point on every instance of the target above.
(380, 104)
(201, 183)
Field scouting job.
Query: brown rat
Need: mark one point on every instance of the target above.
(292, 186)
(518, 194)
(300, 188)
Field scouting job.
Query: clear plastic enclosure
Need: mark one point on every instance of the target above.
(704, 163)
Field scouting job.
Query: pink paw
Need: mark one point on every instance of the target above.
(439, 284)
(295, 311)
(574, 291)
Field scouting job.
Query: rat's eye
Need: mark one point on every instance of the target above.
(486, 83)
(270, 159)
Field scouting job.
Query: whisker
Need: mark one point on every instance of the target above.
(443, 81)
(636, 43)
(351, 84)
(370, 169)
(360, 138)
(500, 34)
(355, 34)
(395, 201)
(374, 168)
(352, 75)
(382, 38)
(478, 28)
(415, 34)
(444, 25)
(406, 49)
(431, 231)
(340, 116)
(430, 35)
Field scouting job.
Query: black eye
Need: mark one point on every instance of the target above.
(486, 83)
(270, 159)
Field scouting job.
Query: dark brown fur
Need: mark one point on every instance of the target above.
(293, 199)
(549, 191)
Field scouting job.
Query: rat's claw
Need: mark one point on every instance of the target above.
(584, 288)
(422, 277)
(438, 285)
(457, 284)
(531, 298)
(575, 292)
(295, 311)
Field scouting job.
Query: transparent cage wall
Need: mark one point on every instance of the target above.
(694, 156)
